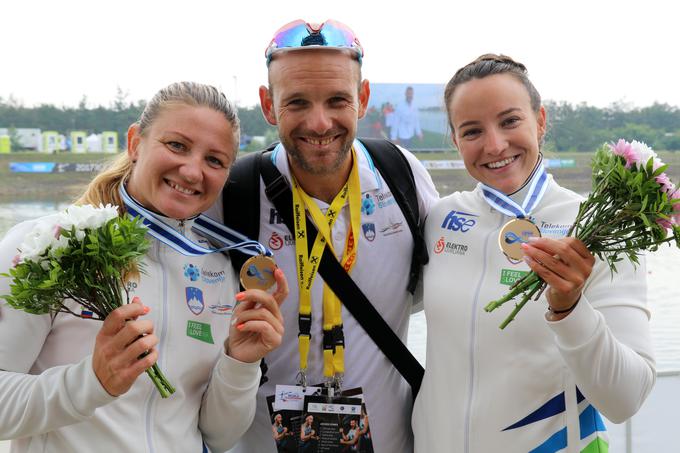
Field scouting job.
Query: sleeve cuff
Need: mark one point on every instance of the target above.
(578, 327)
(84, 389)
(238, 374)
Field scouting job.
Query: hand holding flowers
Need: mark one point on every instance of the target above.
(633, 207)
(564, 265)
(84, 256)
(124, 348)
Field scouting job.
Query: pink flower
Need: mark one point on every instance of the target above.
(16, 260)
(625, 150)
(667, 224)
(664, 181)
(675, 218)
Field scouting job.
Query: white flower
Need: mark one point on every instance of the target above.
(38, 240)
(45, 235)
(87, 216)
(58, 246)
(644, 151)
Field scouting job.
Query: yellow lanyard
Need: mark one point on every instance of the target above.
(307, 267)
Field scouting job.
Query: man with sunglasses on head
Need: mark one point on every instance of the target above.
(315, 98)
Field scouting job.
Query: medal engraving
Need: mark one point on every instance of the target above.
(514, 234)
(258, 272)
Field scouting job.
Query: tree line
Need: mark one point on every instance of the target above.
(572, 127)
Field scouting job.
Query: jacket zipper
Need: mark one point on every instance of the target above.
(149, 415)
(473, 333)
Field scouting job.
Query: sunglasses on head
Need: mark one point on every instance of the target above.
(299, 33)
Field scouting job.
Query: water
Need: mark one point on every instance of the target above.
(664, 296)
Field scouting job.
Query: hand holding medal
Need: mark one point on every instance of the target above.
(257, 323)
(258, 272)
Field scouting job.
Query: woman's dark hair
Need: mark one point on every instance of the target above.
(490, 64)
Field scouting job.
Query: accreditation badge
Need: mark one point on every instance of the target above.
(333, 424)
(258, 272)
(514, 234)
(286, 415)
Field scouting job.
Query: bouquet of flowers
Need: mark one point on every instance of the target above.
(85, 255)
(633, 207)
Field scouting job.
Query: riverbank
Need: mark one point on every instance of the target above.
(47, 186)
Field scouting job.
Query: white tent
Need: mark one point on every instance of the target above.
(94, 143)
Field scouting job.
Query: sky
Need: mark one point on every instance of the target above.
(597, 51)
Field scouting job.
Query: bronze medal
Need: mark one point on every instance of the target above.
(514, 234)
(258, 272)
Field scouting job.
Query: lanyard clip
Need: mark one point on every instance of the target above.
(302, 379)
(333, 384)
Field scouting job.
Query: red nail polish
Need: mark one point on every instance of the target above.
(147, 309)
(240, 296)
(240, 326)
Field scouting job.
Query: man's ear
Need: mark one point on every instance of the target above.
(364, 95)
(267, 105)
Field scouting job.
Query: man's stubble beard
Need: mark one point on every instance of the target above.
(300, 160)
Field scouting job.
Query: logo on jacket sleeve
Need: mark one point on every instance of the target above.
(221, 309)
(274, 217)
(459, 221)
(392, 227)
(439, 246)
(367, 205)
(452, 248)
(369, 231)
(194, 300)
(192, 272)
(275, 241)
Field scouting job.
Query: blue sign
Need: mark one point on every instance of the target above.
(31, 167)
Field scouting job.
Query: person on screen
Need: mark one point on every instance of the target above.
(405, 121)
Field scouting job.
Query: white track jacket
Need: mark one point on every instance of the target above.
(536, 386)
(51, 400)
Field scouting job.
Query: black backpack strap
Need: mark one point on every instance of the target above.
(241, 210)
(241, 201)
(341, 283)
(397, 173)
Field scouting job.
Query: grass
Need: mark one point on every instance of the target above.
(46, 186)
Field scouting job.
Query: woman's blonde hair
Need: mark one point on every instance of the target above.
(104, 187)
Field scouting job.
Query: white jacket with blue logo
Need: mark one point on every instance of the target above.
(51, 400)
(536, 386)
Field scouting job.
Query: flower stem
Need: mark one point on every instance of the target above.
(527, 282)
(160, 381)
(527, 295)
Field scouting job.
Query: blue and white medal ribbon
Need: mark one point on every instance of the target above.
(518, 230)
(258, 270)
(503, 203)
(203, 224)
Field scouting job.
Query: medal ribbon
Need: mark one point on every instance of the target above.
(307, 267)
(503, 203)
(203, 224)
